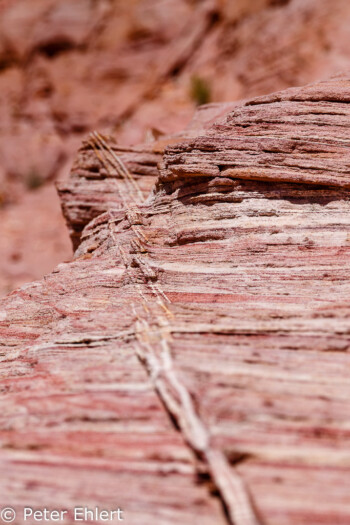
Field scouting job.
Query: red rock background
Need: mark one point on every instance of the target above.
(136, 69)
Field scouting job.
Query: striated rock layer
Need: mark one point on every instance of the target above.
(131, 68)
(195, 354)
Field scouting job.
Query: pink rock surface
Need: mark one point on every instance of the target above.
(194, 355)
(127, 67)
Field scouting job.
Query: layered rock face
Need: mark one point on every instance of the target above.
(128, 66)
(194, 355)
(134, 69)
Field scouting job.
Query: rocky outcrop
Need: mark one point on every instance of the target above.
(127, 67)
(299, 132)
(93, 185)
(66, 70)
(195, 352)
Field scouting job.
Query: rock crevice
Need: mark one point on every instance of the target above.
(222, 297)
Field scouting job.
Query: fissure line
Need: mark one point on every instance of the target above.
(153, 339)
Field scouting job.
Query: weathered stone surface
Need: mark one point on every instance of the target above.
(301, 133)
(195, 352)
(126, 66)
(93, 188)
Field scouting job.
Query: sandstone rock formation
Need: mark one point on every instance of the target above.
(194, 355)
(127, 66)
